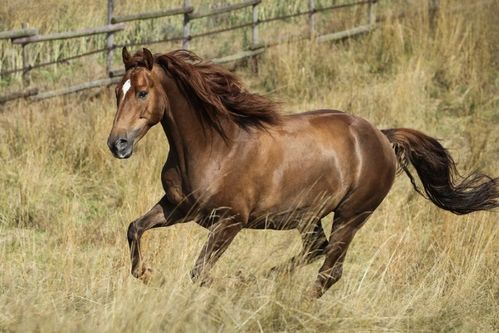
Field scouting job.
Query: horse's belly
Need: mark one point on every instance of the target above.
(292, 218)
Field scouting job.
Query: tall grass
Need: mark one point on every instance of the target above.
(66, 202)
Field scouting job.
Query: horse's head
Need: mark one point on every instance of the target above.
(141, 103)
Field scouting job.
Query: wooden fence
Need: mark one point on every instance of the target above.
(116, 24)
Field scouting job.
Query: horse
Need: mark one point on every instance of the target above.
(236, 161)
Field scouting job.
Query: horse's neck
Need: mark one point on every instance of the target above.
(187, 137)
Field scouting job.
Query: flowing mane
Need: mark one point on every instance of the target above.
(215, 93)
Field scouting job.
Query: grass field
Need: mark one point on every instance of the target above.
(65, 203)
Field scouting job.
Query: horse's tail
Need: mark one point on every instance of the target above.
(437, 170)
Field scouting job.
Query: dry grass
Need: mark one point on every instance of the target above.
(65, 204)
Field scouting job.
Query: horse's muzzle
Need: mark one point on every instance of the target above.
(121, 147)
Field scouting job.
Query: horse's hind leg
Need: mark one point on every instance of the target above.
(163, 214)
(314, 244)
(344, 229)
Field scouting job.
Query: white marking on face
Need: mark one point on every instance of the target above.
(126, 87)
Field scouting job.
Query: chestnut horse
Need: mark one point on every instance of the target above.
(235, 162)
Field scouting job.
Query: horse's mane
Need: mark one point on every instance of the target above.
(217, 94)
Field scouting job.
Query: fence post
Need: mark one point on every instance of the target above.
(109, 39)
(187, 26)
(255, 41)
(372, 12)
(311, 18)
(433, 8)
(26, 66)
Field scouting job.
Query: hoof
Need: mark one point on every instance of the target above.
(315, 293)
(146, 275)
(142, 272)
(202, 279)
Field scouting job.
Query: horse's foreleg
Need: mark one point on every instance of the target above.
(314, 244)
(163, 214)
(220, 237)
(344, 230)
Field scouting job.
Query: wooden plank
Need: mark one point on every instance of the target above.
(70, 34)
(151, 15)
(237, 56)
(109, 37)
(345, 33)
(314, 10)
(221, 10)
(11, 34)
(371, 12)
(311, 18)
(18, 94)
(148, 42)
(24, 53)
(26, 67)
(76, 88)
(255, 38)
(186, 26)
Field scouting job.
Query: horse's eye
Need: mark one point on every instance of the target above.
(142, 94)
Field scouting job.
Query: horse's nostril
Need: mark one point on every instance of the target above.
(121, 143)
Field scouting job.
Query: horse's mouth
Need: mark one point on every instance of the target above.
(123, 154)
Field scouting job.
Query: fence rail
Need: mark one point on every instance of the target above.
(116, 24)
(70, 34)
(18, 33)
(76, 88)
(226, 9)
(18, 94)
(151, 15)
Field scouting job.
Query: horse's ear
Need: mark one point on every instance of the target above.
(125, 56)
(148, 58)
